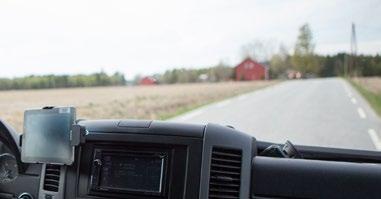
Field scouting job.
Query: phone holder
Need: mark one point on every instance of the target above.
(77, 135)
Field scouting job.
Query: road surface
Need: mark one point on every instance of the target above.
(319, 112)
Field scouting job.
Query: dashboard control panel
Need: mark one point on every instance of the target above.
(156, 160)
(129, 171)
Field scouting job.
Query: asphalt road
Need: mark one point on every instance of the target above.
(318, 112)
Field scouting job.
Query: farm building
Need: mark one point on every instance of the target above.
(147, 81)
(249, 70)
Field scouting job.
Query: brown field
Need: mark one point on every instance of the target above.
(148, 102)
(373, 84)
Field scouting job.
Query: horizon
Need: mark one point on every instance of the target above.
(128, 79)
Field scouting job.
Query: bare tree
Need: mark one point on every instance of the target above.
(260, 50)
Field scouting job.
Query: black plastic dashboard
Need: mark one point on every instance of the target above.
(182, 172)
(160, 160)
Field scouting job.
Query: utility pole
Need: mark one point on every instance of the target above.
(352, 59)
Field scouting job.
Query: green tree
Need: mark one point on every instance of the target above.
(304, 59)
(221, 72)
(280, 63)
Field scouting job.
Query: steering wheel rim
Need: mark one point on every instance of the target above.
(11, 140)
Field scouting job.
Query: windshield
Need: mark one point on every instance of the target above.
(305, 71)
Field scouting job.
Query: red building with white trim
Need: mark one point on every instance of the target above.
(249, 70)
(147, 81)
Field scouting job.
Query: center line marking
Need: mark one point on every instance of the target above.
(353, 100)
(361, 113)
(348, 93)
(375, 139)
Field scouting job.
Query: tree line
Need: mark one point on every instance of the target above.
(328, 65)
(280, 64)
(306, 61)
(218, 73)
(62, 81)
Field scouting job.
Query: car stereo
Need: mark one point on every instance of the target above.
(129, 171)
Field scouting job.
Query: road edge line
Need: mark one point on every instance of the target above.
(375, 139)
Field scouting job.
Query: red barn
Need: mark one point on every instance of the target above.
(147, 81)
(250, 70)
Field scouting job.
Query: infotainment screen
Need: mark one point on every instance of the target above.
(46, 137)
(132, 172)
(139, 172)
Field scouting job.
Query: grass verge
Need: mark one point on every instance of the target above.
(374, 99)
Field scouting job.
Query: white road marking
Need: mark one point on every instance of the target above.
(242, 97)
(361, 113)
(347, 90)
(190, 115)
(223, 103)
(375, 139)
(353, 100)
(349, 93)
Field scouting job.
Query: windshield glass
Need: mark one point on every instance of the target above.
(304, 71)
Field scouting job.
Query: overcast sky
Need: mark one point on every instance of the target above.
(69, 37)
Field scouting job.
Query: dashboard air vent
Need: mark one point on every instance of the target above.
(225, 173)
(52, 177)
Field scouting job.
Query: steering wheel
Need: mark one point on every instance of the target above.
(10, 155)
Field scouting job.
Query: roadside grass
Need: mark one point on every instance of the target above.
(182, 110)
(373, 97)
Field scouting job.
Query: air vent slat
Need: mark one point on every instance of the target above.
(226, 160)
(226, 166)
(229, 186)
(52, 177)
(223, 190)
(224, 179)
(224, 153)
(225, 173)
(51, 181)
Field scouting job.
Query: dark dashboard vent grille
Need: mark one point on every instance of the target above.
(52, 177)
(225, 173)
